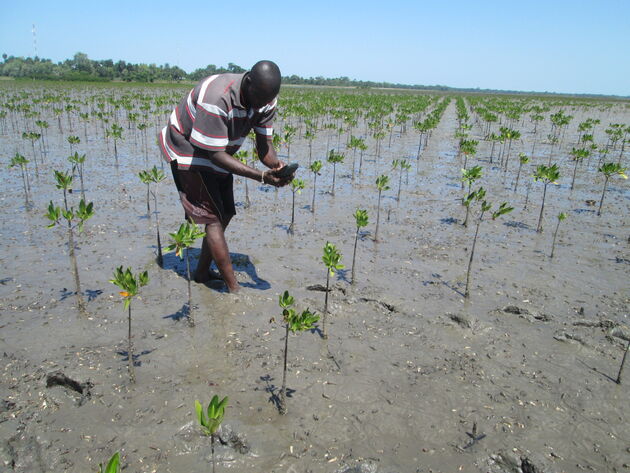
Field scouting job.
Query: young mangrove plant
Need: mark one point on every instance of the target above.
(361, 219)
(522, 159)
(74, 219)
(609, 170)
(296, 188)
(479, 196)
(561, 217)
(294, 322)
(73, 140)
(19, 160)
(382, 184)
(210, 421)
(404, 165)
(155, 176)
(334, 158)
(185, 236)
(77, 162)
(315, 167)
(546, 174)
(33, 137)
(469, 176)
(578, 156)
(112, 465)
(331, 259)
(115, 132)
(130, 285)
(242, 157)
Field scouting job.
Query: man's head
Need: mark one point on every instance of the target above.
(262, 84)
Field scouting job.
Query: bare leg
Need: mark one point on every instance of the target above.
(218, 249)
(203, 273)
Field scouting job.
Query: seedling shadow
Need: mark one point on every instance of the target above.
(274, 391)
(592, 368)
(136, 356)
(182, 313)
(515, 224)
(91, 294)
(448, 221)
(443, 282)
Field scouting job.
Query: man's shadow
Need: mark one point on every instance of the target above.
(241, 263)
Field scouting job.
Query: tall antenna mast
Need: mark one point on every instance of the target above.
(34, 41)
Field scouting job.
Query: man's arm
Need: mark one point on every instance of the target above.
(227, 162)
(267, 153)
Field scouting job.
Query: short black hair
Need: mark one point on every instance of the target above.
(265, 78)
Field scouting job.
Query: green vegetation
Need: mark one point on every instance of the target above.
(182, 241)
(479, 196)
(74, 219)
(382, 184)
(210, 421)
(609, 170)
(546, 174)
(294, 322)
(130, 285)
(296, 188)
(155, 176)
(361, 219)
(561, 217)
(112, 465)
(331, 259)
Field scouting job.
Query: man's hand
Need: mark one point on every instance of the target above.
(272, 178)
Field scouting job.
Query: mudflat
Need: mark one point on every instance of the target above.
(413, 377)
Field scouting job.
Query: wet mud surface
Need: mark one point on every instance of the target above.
(413, 377)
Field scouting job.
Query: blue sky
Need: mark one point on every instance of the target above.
(555, 46)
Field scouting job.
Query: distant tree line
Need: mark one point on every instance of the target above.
(80, 67)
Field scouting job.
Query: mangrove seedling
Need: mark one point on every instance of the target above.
(185, 236)
(546, 174)
(116, 133)
(74, 219)
(296, 188)
(294, 322)
(609, 170)
(210, 421)
(334, 158)
(331, 259)
(315, 167)
(73, 140)
(130, 285)
(242, 157)
(522, 159)
(578, 156)
(469, 176)
(404, 165)
(77, 162)
(19, 160)
(33, 137)
(561, 217)
(479, 196)
(361, 219)
(382, 182)
(112, 464)
(155, 176)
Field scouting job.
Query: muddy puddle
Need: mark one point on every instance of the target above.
(413, 377)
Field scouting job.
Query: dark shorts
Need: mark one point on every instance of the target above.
(207, 197)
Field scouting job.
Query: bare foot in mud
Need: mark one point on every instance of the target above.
(206, 277)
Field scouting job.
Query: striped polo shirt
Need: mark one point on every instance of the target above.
(211, 117)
